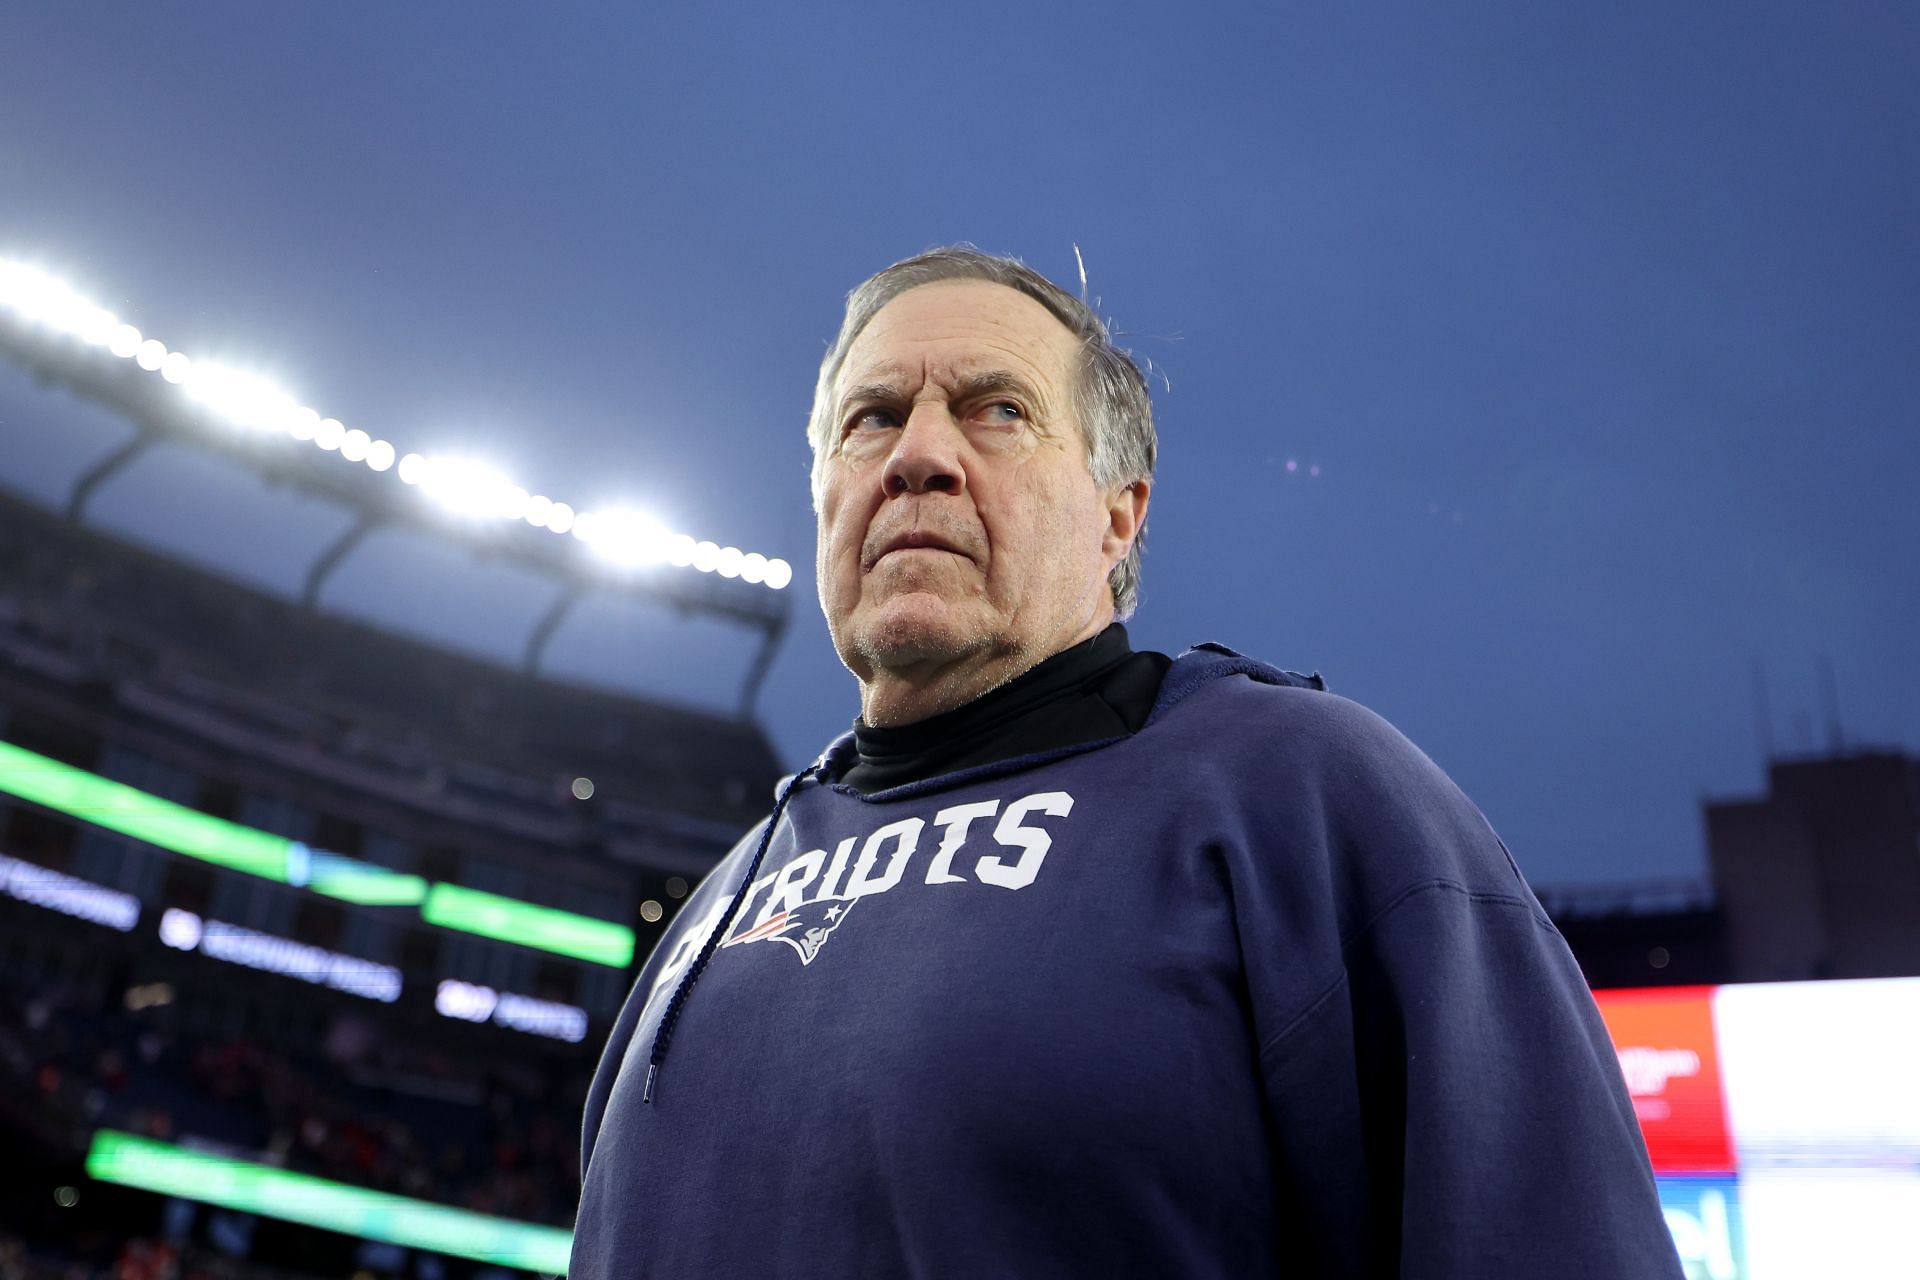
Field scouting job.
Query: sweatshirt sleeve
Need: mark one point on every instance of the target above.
(1445, 1103)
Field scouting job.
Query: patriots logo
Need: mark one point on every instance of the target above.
(804, 928)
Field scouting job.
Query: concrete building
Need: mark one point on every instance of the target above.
(1818, 878)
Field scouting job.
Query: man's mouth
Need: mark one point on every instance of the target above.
(914, 540)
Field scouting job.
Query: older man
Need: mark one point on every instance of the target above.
(1076, 961)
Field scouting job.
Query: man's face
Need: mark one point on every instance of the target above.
(957, 515)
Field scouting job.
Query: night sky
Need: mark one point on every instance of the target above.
(1599, 327)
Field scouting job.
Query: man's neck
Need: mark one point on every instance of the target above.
(904, 695)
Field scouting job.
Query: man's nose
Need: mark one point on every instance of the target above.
(926, 457)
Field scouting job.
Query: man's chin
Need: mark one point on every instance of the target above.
(917, 631)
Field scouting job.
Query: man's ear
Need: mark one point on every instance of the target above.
(1126, 516)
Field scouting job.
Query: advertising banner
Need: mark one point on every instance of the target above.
(1669, 1055)
(1703, 1213)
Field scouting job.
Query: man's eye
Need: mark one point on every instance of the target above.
(872, 420)
(1003, 412)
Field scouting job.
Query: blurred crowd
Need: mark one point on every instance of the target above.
(365, 1107)
(139, 1258)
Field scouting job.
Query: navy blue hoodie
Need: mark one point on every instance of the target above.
(1255, 991)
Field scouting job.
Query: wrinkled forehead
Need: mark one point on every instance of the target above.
(957, 327)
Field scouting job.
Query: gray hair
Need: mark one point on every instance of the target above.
(1110, 399)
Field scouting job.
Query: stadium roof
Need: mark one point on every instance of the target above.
(63, 338)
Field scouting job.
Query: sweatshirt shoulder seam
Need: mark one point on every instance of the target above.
(1271, 1044)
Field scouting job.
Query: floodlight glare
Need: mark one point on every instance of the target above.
(13, 277)
(461, 485)
(622, 536)
(98, 327)
(465, 486)
(41, 299)
(39, 296)
(244, 399)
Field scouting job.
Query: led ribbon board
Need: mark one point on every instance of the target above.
(69, 895)
(261, 1189)
(192, 834)
(543, 928)
(472, 1002)
(133, 812)
(368, 979)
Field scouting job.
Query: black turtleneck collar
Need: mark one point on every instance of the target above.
(1098, 689)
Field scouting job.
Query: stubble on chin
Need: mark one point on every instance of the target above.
(917, 631)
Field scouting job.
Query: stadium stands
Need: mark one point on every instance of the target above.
(163, 685)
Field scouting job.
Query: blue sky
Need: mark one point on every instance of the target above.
(1599, 326)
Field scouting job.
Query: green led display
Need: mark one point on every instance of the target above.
(510, 920)
(193, 834)
(361, 883)
(133, 812)
(249, 1187)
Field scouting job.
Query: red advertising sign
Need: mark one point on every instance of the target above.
(1665, 1042)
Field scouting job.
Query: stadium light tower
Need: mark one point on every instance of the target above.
(61, 336)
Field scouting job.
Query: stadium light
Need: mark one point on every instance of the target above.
(465, 486)
(250, 1187)
(623, 536)
(243, 399)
